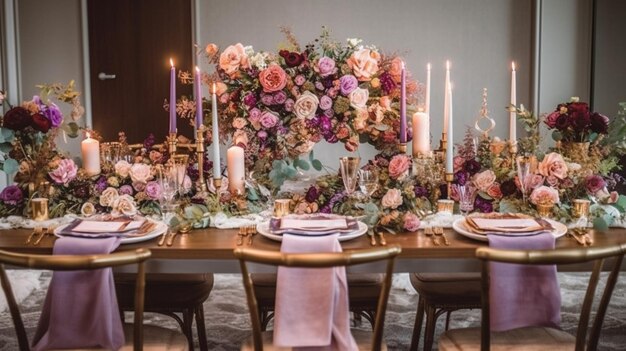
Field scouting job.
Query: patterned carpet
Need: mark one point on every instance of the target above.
(228, 323)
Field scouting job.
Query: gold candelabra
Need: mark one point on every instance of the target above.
(449, 179)
(200, 149)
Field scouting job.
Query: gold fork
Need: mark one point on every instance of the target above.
(240, 235)
(428, 231)
(381, 237)
(44, 232)
(439, 232)
(252, 230)
(36, 230)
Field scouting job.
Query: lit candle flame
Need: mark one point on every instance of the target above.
(448, 64)
(214, 88)
(197, 69)
(402, 64)
(428, 66)
(171, 62)
(88, 135)
(513, 65)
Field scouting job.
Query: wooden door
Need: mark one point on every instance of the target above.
(134, 40)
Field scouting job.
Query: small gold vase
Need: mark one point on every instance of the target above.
(577, 152)
(545, 210)
(580, 208)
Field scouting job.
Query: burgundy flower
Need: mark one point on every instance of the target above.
(577, 108)
(149, 142)
(482, 205)
(594, 183)
(81, 190)
(472, 166)
(599, 123)
(292, 59)
(387, 83)
(41, 123)
(461, 177)
(250, 100)
(508, 187)
(16, 118)
(562, 122)
(12, 195)
(312, 194)
(580, 120)
(420, 191)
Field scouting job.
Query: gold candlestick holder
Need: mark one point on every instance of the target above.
(513, 152)
(200, 149)
(402, 148)
(440, 154)
(172, 140)
(449, 178)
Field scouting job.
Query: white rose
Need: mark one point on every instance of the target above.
(239, 123)
(306, 105)
(108, 196)
(392, 199)
(124, 205)
(122, 168)
(358, 98)
(140, 173)
(88, 209)
(240, 137)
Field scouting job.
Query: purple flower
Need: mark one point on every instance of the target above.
(461, 177)
(261, 134)
(81, 190)
(472, 166)
(149, 142)
(53, 113)
(594, 183)
(289, 105)
(255, 115)
(280, 97)
(268, 119)
(101, 184)
(319, 86)
(326, 66)
(328, 207)
(420, 191)
(326, 102)
(329, 113)
(12, 195)
(65, 172)
(126, 190)
(347, 84)
(299, 80)
(482, 205)
(267, 99)
(153, 190)
(325, 124)
(312, 194)
(332, 92)
(387, 83)
(250, 100)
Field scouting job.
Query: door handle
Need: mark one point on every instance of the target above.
(104, 76)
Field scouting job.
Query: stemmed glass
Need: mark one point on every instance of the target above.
(524, 164)
(368, 182)
(467, 195)
(349, 167)
(168, 180)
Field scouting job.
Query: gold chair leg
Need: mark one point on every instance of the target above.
(202, 342)
(417, 329)
(431, 324)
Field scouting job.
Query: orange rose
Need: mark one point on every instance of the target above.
(211, 49)
(364, 63)
(273, 79)
(396, 69)
(234, 58)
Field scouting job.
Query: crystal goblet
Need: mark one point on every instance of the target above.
(349, 167)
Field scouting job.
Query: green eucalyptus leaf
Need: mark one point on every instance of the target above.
(10, 166)
(290, 172)
(507, 206)
(5, 147)
(302, 164)
(600, 224)
(557, 135)
(311, 156)
(317, 165)
(252, 194)
(621, 201)
(6, 135)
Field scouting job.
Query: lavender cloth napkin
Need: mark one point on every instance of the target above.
(80, 309)
(312, 309)
(523, 295)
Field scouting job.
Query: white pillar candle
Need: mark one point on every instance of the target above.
(90, 149)
(446, 99)
(450, 144)
(235, 163)
(421, 133)
(427, 97)
(512, 114)
(217, 172)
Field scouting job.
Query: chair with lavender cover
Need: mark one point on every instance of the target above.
(366, 341)
(138, 336)
(542, 338)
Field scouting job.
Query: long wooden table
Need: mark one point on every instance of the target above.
(211, 250)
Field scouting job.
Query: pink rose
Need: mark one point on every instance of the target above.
(398, 165)
(484, 180)
(122, 168)
(233, 58)
(392, 199)
(124, 205)
(273, 78)
(396, 69)
(352, 144)
(268, 119)
(306, 105)
(411, 222)
(364, 63)
(544, 195)
(325, 66)
(65, 172)
(240, 137)
(459, 162)
(140, 173)
(220, 88)
(153, 190)
(553, 165)
(358, 98)
(239, 123)
(494, 191)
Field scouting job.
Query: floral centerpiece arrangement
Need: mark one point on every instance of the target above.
(278, 105)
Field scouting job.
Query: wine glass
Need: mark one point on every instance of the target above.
(368, 182)
(349, 167)
(168, 180)
(467, 195)
(523, 164)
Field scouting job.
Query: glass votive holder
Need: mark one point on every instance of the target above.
(281, 207)
(580, 208)
(445, 206)
(39, 208)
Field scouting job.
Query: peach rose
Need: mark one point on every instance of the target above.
(124, 205)
(140, 173)
(240, 137)
(364, 63)
(108, 196)
(360, 122)
(392, 199)
(211, 50)
(306, 105)
(376, 113)
(239, 123)
(220, 88)
(553, 165)
(273, 78)
(398, 165)
(396, 69)
(544, 195)
(233, 58)
(358, 98)
(484, 180)
(385, 102)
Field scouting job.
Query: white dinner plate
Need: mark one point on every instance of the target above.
(264, 229)
(158, 230)
(459, 226)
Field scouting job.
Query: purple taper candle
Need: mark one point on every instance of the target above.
(172, 97)
(403, 106)
(199, 114)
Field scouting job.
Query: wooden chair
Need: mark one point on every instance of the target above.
(541, 338)
(137, 335)
(367, 341)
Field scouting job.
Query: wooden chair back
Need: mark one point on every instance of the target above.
(318, 260)
(73, 263)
